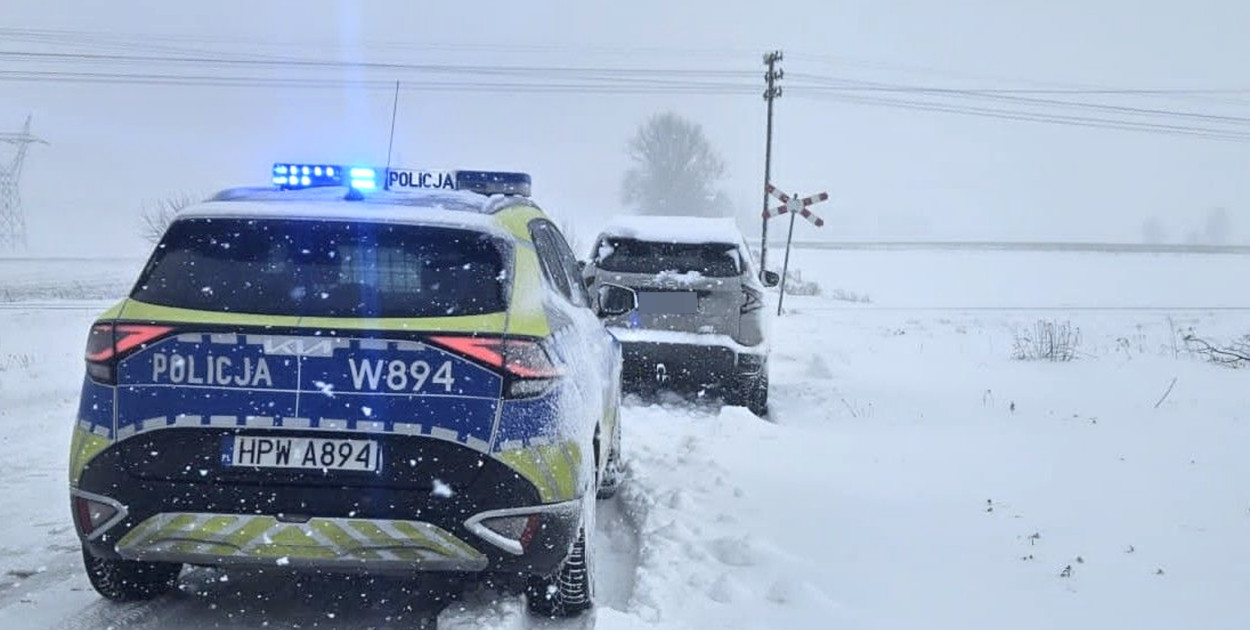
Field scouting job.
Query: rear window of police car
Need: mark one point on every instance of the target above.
(325, 269)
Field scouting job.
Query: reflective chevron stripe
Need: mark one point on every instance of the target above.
(228, 536)
(552, 468)
(84, 446)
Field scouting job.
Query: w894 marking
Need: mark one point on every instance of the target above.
(397, 375)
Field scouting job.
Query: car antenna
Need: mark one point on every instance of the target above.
(355, 195)
(390, 144)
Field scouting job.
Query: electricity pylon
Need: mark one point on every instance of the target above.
(12, 220)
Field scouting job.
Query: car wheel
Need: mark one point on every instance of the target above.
(128, 580)
(752, 393)
(567, 593)
(612, 473)
(757, 401)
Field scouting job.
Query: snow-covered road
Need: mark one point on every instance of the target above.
(915, 476)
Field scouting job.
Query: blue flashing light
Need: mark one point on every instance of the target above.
(363, 178)
(292, 176)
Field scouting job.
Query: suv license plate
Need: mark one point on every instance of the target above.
(668, 302)
(301, 453)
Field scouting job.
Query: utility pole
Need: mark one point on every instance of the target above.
(12, 221)
(771, 93)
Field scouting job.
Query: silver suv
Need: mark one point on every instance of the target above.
(699, 324)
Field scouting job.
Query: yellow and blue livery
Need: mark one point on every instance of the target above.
(345, 374)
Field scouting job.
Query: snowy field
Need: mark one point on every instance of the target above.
(915, 475)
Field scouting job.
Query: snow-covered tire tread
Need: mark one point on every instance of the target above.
(128, 580)
(569, 592)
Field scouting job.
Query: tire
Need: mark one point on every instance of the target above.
(128, 580)
(752, 393)
(757, 398)
(567, 593)
(612, 473)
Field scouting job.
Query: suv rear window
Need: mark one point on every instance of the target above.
(325, 269)
(627, 255)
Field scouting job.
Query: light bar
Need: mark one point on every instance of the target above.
(363, 178)
(494, 183)
(291, 176)
(288, 176)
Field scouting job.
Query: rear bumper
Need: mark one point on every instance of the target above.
(392, 522)
(662, 364)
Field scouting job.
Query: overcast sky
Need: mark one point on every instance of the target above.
(892, 172)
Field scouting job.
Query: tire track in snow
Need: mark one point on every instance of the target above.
(616, 542)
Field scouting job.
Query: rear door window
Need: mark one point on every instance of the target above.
(558, 261)
(325, 269)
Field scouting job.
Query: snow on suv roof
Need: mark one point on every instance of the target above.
(674, 229)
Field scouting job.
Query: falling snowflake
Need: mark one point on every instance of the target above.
(441, 489)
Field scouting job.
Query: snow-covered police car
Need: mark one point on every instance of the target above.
(357, 369)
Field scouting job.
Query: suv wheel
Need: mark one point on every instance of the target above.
(752, 393)
(567, 593)
(128, 580)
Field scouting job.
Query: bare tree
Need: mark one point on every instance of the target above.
(675, 170)
(158, 214)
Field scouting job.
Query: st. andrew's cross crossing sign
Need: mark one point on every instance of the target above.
(794, 205)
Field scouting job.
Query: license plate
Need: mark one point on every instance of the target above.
(301, 452)
(661, 302)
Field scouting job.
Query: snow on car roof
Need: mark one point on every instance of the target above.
(443, 208)
(674, 229)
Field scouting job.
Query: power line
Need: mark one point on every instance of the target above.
(590, 85)
(1058, 119)
(318, 64)
(829, 84)
(1001, 103)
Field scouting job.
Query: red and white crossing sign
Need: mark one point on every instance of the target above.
(795, 204)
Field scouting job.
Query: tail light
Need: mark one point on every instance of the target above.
(752, 300)
(525, 362)
(517, 530)
(514, 533)
(94, 513)
(109, 342)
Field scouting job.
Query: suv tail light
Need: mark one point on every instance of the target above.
(109, 342)
(527, 366)
(752, 300)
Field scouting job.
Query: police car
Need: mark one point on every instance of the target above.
(357, 369)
